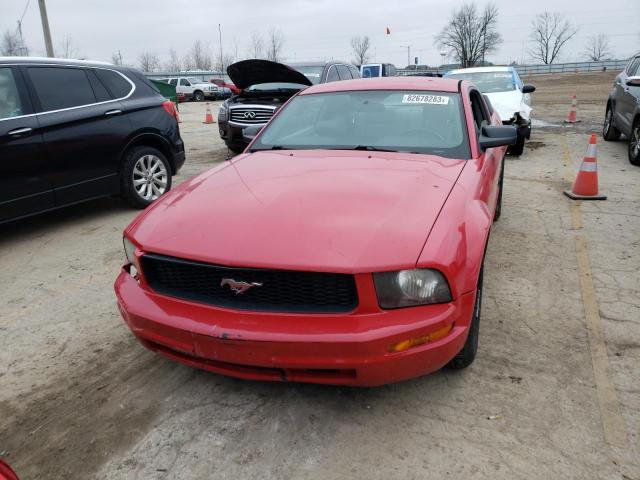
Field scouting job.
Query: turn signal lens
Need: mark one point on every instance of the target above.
(414, 342)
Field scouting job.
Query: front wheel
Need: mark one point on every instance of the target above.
(467, 355)
(145, 177)
(634, 144)
(609, 132)
(198, 96)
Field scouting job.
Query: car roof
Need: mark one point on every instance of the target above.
(387, 83)
(55, 61)
(482, 69)
(316, 63)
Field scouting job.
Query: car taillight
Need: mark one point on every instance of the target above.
(171, 109)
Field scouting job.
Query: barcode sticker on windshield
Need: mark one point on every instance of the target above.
(430, 99)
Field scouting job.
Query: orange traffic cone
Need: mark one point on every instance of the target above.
(586, 184)
(208, 118)
(573, 114)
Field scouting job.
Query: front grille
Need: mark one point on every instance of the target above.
(245, 114)
(280, 290)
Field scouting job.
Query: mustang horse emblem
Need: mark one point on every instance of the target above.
(238, 287)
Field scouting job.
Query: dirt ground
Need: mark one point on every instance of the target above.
(554, 392)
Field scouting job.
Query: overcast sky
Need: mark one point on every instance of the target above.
(312, 29)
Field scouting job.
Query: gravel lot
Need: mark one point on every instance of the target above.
(553, 393)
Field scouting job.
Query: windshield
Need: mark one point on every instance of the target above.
(369, 71)
(488, 82)
(406, 121)
(274, 86)
(194, 80)
(312, 73)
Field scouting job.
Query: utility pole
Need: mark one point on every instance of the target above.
(408, 47)
(221, 58)
(45, 28)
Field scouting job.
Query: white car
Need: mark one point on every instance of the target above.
(192, 88)
(507, 94)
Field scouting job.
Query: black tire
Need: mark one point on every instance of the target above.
(128, 189)
(236, 147)
(467, 355)
(609, 132)
(518, 148)
(498, 212)
(198, 96)
(634, 143)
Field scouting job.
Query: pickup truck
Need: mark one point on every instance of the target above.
(192, 88)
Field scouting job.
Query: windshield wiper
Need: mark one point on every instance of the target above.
(370, 148)
(272, 147)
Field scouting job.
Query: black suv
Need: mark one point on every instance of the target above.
(623, 109)
(266, 86)
(71, 131)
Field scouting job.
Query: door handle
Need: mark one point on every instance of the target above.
(20, 132)
(111, 113)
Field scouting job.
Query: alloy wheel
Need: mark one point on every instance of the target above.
(634, 144)
(150, 177)
(607, 121)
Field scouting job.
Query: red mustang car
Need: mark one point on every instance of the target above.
(345, 246)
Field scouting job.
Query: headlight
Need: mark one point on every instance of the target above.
(408, 288)
(223, 112)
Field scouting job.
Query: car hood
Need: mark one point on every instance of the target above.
(252, 72)
(315, 210)
(509, 103)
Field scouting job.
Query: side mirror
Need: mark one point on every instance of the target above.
(249, 133)
(497, 136)
(633, 81)
(528, 89)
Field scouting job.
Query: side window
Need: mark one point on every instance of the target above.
(355, 73)
(115, 83)
(332, 74)
(10, 104)
(480, 116)
(184, 82)
(101, 93)
(635, 72)
(343, 72)
(632, 69)
(58, 87)
(173, 81)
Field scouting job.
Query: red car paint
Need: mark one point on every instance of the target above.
(6, 473)
(221, 83)
(352, 212)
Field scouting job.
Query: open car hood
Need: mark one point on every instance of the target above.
(252, 72)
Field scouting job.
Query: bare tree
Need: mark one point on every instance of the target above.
(275, 41)
(598, 47)
(67, 49)
(470, 35)
(256, 45)
(149, 62)
(551, 31)
(11, 45)
(222, 63)
(360, 47)
(116, 58)
(174, 64)
(199, 57)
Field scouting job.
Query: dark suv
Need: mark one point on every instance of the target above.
(623, 109)
(266, 86)
(71, 131)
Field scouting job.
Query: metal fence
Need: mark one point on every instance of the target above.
(202, 75)
(608, 65)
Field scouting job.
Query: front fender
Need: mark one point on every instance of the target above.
(458, 240)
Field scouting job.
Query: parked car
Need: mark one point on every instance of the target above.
(507, 94)
(375, 70)
(221, 83)
(71, 131)
(346, 246)
(623, 109)
(193, 89)
(266, 86)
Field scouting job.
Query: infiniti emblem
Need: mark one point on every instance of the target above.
(249, 115)
(238, 287)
